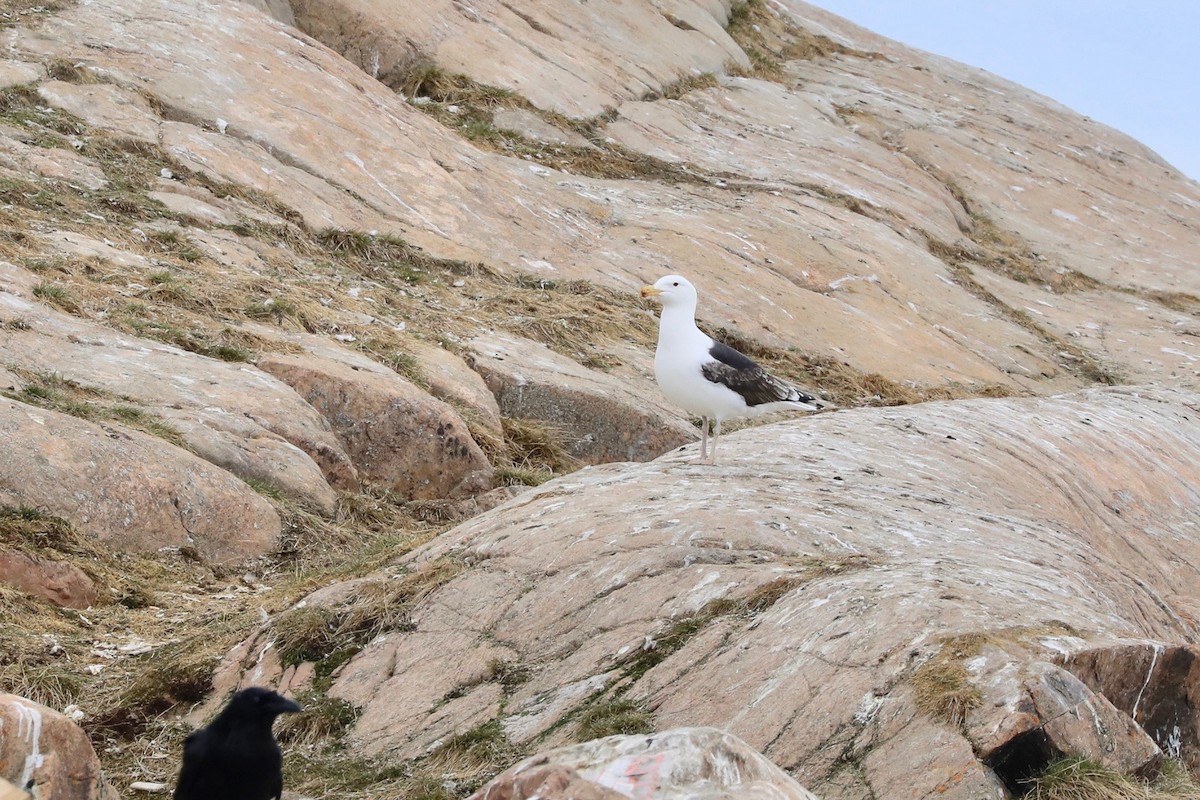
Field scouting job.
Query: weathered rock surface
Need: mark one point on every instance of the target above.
(601, 417)
(1155, 684)
(815, 571)
(570, 59)
(238, 417)
(396, 434)
(20, 160)
(451, 379)
(691, 763)
(60, 582)
(128, 488)
(873, 205)
(1032, 713)
(848, 169)
(44, 752)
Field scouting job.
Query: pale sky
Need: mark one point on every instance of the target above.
(1134, 66)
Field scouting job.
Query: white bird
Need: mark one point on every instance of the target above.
(707, 378)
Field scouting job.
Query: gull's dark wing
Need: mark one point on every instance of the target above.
(756, 386)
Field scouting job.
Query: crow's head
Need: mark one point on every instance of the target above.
(259, 702)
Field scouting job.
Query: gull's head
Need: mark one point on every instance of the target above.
(672, 290)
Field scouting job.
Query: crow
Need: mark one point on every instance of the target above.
(236, 756)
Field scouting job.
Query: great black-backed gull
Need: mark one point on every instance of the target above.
(707, 378)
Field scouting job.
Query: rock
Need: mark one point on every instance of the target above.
(531, 126)
(677, 764)
(1077, 722)
(540, 52)
(149, 787)
(15, 73)
(452, 379)
(57, 164)
(232, 414)
(395, 433)
(601, 418)
(1033, 713)
(104, 106)
(187, 206)
(128, 488)
(1156, 684)
(59, 582)
(883, 761)
(279, 9)
(10, 792)
(888, 209)
(45, 752)
(547, 782)
(793, 595)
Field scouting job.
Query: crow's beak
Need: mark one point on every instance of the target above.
(286, 706)
(650, 291)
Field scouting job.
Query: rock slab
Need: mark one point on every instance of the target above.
(127, 488)
(681, 764)
(45, 753)
(59, 582)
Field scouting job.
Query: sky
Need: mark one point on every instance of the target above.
(1134, 66)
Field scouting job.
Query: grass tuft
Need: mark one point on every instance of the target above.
(305, 634)
(483, 748)
(322, 720)
(535, 449)
(1075, 778)
(610, 717)
(944, 690)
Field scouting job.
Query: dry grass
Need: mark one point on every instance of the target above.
(683, 86)
(770, 39)
(1083, 779)
(944, 690)
(535, 451)
(322, 720)
(612, 717)
(52, 391)
(942, 684)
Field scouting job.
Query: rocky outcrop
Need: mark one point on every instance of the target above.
(235, 416)
(396, 434)
(45, 753)
(60, 582)
(1156, 684)
(599, 417)
(451, 379)
(683, 763)
(911, 216)
(127, 488)
(852, 594)
(872, 597)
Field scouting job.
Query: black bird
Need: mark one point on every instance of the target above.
(236, 756)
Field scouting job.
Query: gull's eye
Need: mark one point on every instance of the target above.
(676, 283)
